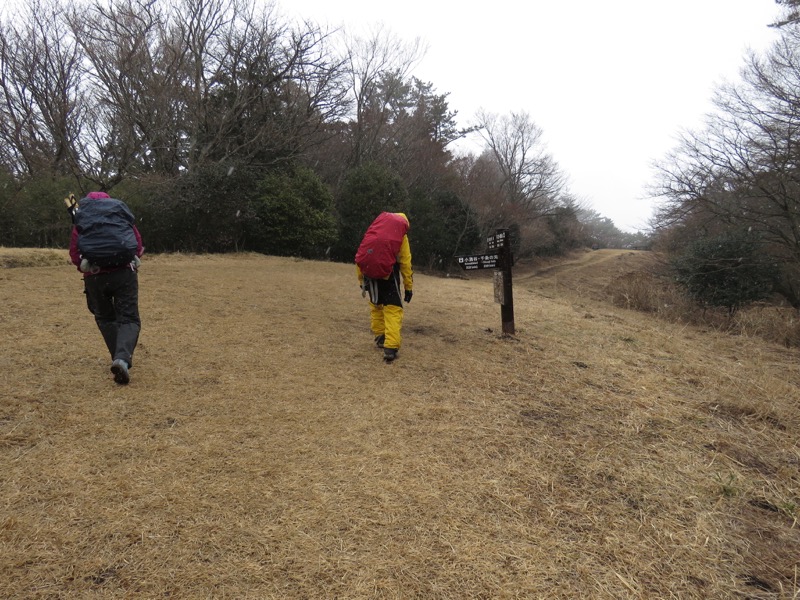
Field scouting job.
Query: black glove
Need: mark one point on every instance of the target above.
(408, 295)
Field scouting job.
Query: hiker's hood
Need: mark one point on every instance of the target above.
(405, 218)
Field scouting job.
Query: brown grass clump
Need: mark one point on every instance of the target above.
(774, 323)
(646, 287)
(32, 257)
(264, 450)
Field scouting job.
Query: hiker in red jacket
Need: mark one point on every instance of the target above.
(112, 290)
(383, 256)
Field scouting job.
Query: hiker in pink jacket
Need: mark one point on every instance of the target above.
(106, 246)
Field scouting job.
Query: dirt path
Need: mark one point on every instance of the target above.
(586, 260)
(586, 275)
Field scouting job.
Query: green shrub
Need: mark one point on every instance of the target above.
(727, 271)
(367, 191)
(293, 215)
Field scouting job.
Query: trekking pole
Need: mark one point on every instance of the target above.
(72, 209)
(72, 206)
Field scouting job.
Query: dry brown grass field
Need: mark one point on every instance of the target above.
(264, 450)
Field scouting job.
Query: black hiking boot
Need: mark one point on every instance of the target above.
(379, 339)
(120, 370)
(389, 354)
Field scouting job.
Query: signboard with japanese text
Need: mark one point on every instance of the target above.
(499, 257)
(497, 240)
(479, 261)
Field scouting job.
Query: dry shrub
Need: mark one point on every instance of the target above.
(11, 258)
(635, 291)
(650, 291)
(772, 323)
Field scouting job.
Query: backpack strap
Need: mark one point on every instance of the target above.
(371, 286)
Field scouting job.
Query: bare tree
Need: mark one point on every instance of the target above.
(256, 88)
(482, 180)
(42, 106)
(530, 177)
(743, 169)
(791, 13)
(134, 81)
(205, 81)
(378, 69)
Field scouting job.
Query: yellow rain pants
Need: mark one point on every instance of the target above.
(387, 320)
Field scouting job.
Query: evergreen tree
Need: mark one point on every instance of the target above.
(727, 271)
(366, 192)
(293, 215)
(442, 226)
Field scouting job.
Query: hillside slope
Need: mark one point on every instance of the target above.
(264, 450)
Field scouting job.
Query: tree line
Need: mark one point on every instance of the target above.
(227, 127)
(730, 212)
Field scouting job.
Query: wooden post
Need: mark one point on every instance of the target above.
(499, 258)
(506, 260)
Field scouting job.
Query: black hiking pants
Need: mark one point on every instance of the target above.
(113, 299)
(386, 291)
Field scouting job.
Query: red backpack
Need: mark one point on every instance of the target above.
(378, 251)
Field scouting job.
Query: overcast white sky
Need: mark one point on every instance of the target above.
(611, 83)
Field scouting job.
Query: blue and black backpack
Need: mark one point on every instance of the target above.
(105, 232)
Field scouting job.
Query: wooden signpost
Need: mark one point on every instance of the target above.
(497, 257)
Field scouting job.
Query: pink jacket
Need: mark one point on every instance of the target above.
(74, 253)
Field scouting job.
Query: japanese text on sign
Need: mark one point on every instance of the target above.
(496, 241)
(479, 261)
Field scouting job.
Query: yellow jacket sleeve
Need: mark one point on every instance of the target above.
(404, 258)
